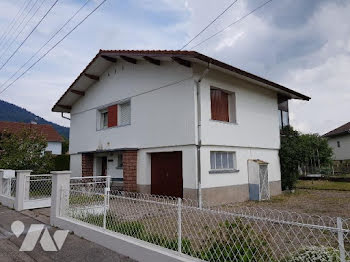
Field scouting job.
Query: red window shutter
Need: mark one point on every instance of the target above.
(113, 115)
(219, 105)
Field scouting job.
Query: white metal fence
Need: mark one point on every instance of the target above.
(8, 187)
(90, 183)
(38, 187)
(228, 233)
(25, 190)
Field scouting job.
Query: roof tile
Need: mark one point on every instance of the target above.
(339, 130)
(47, 131)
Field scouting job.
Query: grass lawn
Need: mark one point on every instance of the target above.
(323, 185)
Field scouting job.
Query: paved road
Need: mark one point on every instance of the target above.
(74, 248)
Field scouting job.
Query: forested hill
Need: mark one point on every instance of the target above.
(12, 113)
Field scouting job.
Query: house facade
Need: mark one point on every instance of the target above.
(174, 123)
(54, 140)
(339, 141)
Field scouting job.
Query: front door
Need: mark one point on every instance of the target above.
(166, 174)
(104, 166)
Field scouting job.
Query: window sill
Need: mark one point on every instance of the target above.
(223, 171)
(107, 128)
(223, 122)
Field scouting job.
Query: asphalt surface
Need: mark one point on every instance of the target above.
(73, 249)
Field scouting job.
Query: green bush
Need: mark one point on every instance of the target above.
(314, 254)
(239, 242)
(298, 150)
(61, 162)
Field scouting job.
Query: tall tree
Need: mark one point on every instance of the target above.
(298, 150)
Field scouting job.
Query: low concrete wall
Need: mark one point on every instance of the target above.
(225, 194)
(232, 194)
(275, 188)
(188, 193)
(125, 245)
(7, 201)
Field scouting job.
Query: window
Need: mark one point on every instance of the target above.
(338, 143)
(223, 160)
(120, 161)
(114, 115)
(223, 105)
(283, 111)
(124, 114)
(104, 119)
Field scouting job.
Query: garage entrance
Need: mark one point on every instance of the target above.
(166, 174)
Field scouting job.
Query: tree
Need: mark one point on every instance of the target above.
(289, 154)
(25, 150)
(298, 150)
(65, 146)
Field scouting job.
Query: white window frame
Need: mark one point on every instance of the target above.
(222, 155)
(119, 113)
(103, 112)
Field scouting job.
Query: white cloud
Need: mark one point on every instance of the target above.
(304, 45)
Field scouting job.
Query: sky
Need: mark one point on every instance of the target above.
(303, 45)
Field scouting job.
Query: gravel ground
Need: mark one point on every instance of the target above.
(313, 202)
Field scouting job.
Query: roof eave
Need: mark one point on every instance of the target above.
(61, 108)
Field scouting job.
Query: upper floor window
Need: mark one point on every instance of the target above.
(124, 113)
(115, 115)
(223, 105)
(338, 143)
(104, 118)
(283, 112)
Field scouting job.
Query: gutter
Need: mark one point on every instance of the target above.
(64, 116)
(199, 132)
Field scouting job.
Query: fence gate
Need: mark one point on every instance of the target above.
(37, 191)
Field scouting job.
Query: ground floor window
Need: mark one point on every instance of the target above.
(220, 160)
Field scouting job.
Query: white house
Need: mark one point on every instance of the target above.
(53, 138)
(339, 141)
(175, 123)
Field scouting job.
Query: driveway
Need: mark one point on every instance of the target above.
(73, 249)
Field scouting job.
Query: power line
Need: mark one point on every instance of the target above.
(9, 44)
(31, 32)
(13, 21)
(212, 22)
(37, 61)
(48, 41)
(20, 23)
(235, 22)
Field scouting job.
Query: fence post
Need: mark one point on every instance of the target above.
(59, 194)
(341, 239)
(105, 206)
(179, 224)
(1, 181)
(21, 190)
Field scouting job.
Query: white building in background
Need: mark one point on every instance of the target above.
(175, 123)
(339, 141)
(53, 138)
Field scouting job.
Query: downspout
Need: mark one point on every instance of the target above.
(199, 126)
(64, 116)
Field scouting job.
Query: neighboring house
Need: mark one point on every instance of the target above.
(175, 123)
(339, 141)
(54, 140)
